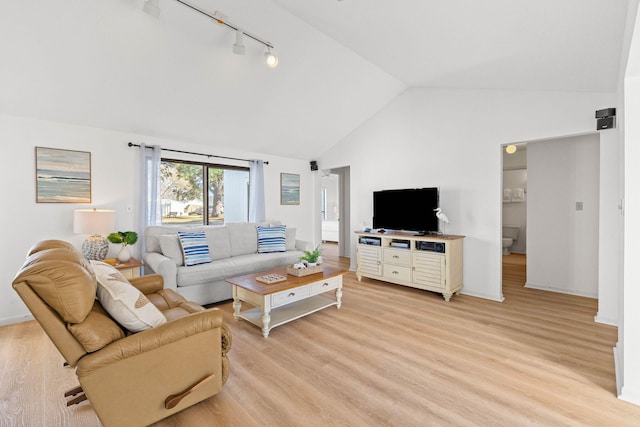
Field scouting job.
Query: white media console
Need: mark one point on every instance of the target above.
(432, 263)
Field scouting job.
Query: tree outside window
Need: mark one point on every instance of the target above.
(183, 198)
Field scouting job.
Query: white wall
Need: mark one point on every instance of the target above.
(628, 347)
(515, 213)
(517, 160)
(452, 139)
(330, 182)
(330, 225)
(563, 241)
(114, 186)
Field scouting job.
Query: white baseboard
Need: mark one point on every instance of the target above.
(483, 296)
(617, 367)
(559, 290)
(605, 320)
(16, 319)
(629, 395)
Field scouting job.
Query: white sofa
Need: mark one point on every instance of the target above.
(234, 252)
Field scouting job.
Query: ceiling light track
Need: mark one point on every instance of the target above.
(220, 20)
(153, 8)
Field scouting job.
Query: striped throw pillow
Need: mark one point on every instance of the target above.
(272, 239)
(194, 248)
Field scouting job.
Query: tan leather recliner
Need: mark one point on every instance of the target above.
(130, 379)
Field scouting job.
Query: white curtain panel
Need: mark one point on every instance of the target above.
(150, 212)
(256, 191)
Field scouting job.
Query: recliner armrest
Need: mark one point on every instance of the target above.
(148, 284)
(150, 339)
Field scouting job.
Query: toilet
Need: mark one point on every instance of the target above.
(509, 235)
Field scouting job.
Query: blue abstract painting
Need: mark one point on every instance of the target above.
(63, 176)
(289, 189)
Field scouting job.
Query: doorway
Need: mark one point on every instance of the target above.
(562, 214)
(335, 209)
(514, 214)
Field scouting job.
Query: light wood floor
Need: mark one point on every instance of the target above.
(391, 356)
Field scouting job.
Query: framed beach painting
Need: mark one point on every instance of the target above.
(63, 176)
(289, 189)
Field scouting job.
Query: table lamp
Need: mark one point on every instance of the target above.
(94, 222)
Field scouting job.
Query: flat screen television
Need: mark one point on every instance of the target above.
(410, 209)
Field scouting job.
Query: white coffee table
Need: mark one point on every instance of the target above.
(279, 303)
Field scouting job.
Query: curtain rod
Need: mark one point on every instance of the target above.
(131, 144)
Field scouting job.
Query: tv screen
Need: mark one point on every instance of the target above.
(409, 209)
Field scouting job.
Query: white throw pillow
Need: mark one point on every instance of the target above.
(170, 246)
(123, 301)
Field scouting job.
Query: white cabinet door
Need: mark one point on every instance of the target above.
(429, 269)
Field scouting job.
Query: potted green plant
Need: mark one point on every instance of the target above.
(125, 238)
(311, 257)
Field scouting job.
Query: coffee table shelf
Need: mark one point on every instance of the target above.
(279, 303)
(287, 313)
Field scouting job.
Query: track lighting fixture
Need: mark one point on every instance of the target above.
(272, 59)
(152, 8)
(238, 46)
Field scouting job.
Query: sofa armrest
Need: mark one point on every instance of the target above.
(148, 284)
(150, 339)
(162, 265)
(303, 245)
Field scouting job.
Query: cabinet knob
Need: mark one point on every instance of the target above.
(292, 294)
(395, 272)
(396, 256)
(324, 285)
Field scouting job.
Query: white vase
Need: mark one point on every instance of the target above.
(125, 254)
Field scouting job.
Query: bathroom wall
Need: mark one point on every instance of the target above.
(515, 213)
(563, 214)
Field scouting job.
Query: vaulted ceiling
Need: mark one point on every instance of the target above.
(109, 65)
(564, 45)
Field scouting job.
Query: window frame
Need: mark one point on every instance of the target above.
(205, 179)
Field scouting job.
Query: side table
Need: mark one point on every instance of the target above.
(129, 269)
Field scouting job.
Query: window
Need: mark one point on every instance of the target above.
(184, 199)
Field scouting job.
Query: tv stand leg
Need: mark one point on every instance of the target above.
(359, 277)
(446, 297)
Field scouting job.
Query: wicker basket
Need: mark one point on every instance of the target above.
(299, 272)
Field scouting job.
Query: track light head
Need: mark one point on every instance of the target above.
(270, 58)
(238, 47)
(152, 8)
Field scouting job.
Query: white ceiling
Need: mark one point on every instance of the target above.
(107, 64)
(565, 45)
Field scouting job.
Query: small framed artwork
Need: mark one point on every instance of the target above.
(289, 189)
(63, 176)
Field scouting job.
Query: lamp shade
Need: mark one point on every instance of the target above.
(93, 221)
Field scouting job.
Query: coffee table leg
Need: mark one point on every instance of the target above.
(339, 297)
(237, 304)
(266, 319)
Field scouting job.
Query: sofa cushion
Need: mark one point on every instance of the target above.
(243, 237)
(194, 248)
(218, 241)
(272, 239)
(124, 302)
(291, 239)
(170, 246)
(234, 266)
